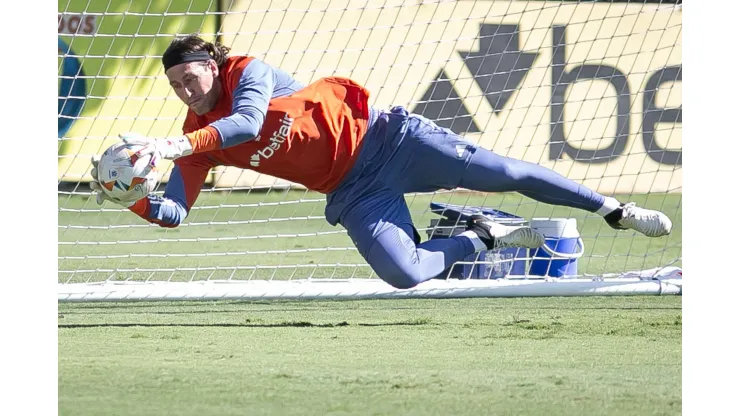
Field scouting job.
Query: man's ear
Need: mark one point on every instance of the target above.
(213, 67)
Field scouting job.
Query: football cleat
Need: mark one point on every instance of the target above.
(497, 236)
(646, 221)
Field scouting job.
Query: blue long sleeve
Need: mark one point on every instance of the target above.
(258, 84)
(187, 178)
(171, 209)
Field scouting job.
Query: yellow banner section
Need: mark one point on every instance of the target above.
(591, 90)
(110, 74)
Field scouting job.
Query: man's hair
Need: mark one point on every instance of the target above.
(193, 43)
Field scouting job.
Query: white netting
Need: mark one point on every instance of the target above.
(591, 90)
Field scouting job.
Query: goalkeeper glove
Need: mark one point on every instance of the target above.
(97, 188)
(169, 148)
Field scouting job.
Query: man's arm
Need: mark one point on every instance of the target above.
(252, 95)
(253, 89)
(182, 190)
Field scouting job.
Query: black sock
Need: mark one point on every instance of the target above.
(483, 234)
(613, 217)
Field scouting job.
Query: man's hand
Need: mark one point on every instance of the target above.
(169, 148)
(97, 188)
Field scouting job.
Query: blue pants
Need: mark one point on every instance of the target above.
(404, 153)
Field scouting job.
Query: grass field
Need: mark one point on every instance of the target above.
(541, 356)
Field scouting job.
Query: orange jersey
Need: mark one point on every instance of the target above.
(310, 137)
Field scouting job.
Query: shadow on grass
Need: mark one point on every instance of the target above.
(300, 324)
(287, 306)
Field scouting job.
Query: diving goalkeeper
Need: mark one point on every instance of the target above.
(244, 113)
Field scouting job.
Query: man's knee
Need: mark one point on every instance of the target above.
(394, 257)
(401, 275)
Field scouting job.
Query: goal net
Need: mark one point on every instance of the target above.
(591, 90)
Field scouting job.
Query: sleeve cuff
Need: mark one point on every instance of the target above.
(205, 139)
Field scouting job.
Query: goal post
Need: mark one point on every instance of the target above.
(591, 90)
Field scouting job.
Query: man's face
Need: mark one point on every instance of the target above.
(196, 84)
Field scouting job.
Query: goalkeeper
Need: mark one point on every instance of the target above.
(325, 136)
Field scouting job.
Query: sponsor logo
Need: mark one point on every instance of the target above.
(73, 23)
(278, 138)
(499, 67)
(460, 150)
(255, 160)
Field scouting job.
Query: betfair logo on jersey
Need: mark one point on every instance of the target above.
(278, 138)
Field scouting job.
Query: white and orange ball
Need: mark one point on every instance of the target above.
(125, 176)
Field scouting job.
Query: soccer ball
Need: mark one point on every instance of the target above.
(125, 176)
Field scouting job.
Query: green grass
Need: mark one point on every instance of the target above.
(532, 356)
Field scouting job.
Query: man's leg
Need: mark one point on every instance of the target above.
(435, 157)
(489, 172)
(381, 228)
